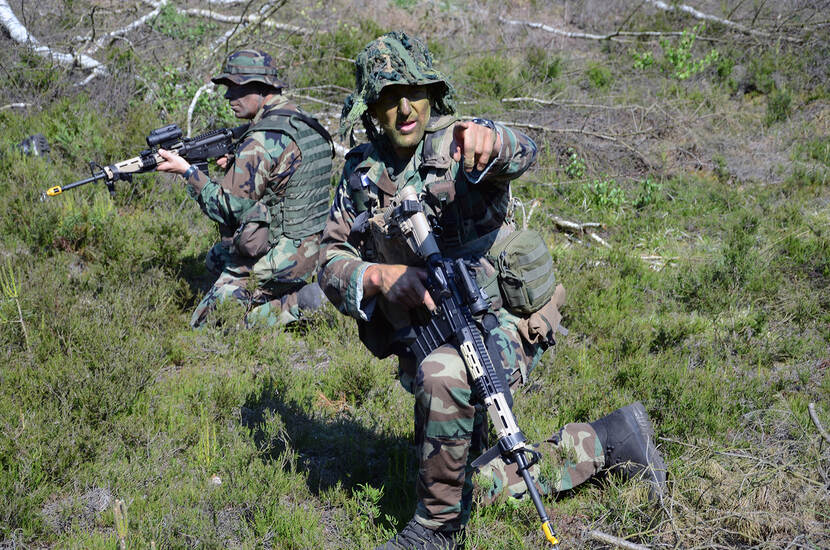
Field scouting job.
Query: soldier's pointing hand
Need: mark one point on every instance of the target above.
(474, 143)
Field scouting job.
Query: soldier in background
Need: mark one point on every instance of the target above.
(272, 203)
(462, 172)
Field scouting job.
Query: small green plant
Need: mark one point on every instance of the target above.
(678, 57)
(778, 107)
(176, 25)
(541, 66)
(492, 76)
(575, 168)
(119, 513)
(206, 448)
(642, 60)
(649, 193)
(605, 193)
(599, 76)
(11, 291)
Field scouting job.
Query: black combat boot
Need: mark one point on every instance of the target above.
(628, 440)
(415, 536)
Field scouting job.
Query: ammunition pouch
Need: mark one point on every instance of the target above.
(251, 238)
(541, 326)
(525, 271)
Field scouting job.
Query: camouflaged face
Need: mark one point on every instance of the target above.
(394, 58)
(246, 66)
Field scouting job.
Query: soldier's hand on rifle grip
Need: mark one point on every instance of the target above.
(400, 284)
(475, 143)
(173, 163)
(222, 162)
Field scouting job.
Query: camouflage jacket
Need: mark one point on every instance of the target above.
(472, 209)
(262, 159)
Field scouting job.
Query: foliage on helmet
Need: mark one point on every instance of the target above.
(394, 58)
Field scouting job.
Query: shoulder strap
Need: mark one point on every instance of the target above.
(309, 121)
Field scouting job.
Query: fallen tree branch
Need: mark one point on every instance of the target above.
(553, 130)
(598, 239)
(706, 17)
(580, 229)
(569, 104)
(21, 35)
(15, 106)
(616, 541)
(209, 87)
(99, 43)
(814, 417)
(237, 19)
(615, 36)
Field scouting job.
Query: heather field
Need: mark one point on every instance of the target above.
(683, 187)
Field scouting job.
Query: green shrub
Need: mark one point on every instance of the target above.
(678, 58)
(491, 76)
(575, 168)
(604, 193)
(599, 75)
(778, 107)
(541, 66)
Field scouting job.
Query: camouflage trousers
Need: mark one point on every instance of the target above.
(450, 431)
(266, 287)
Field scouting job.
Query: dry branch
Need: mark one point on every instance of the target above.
(99, 43)
(706, 17)
(249, 19)
(15, 106)
(814, 417)
(616, 541)
(205, 88)
(616, 35)
(21, 35)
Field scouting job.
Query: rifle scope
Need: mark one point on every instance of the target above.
(165, 134)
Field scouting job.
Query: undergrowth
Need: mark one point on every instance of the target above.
(702, 294)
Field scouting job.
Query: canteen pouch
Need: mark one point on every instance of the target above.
(525, 271)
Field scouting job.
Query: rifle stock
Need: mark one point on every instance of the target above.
(458, 299)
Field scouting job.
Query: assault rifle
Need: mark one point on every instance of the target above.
(196, 151)
(459, 299)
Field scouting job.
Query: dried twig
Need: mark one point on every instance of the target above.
(814, 417)
(616, 541)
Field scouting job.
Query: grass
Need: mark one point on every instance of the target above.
(710, 306)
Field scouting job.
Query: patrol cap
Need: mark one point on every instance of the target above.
(244, 66)
(394, 58)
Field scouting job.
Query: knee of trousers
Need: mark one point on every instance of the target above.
(444, 396)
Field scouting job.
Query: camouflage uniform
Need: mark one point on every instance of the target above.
(264, 164)
(473, 211)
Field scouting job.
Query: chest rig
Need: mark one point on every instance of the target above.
(461, 213)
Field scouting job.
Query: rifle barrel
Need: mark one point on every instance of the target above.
(58, 189)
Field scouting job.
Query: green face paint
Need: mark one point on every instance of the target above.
(402, 111)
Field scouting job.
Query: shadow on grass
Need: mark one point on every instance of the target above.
(199, 280)
(334, 451)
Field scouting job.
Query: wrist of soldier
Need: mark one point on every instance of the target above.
(191, 170)
(372, 278)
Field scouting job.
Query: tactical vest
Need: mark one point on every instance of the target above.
(303, 210)
(450, 200)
